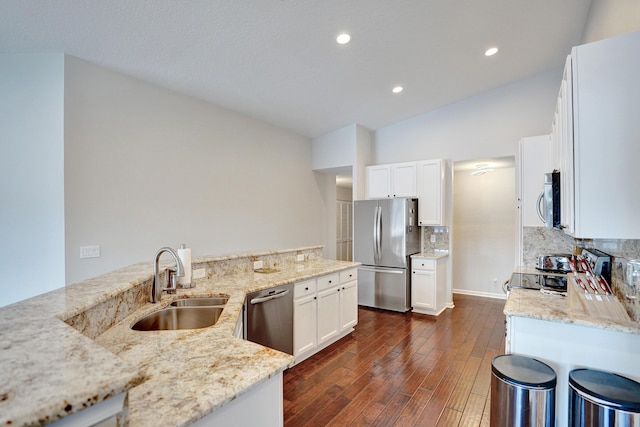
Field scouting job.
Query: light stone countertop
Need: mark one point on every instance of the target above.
(432, 255)
(51, 370)
(533, 304)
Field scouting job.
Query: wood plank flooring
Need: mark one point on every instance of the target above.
(402, 370)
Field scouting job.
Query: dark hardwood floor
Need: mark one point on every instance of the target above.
(402, 370)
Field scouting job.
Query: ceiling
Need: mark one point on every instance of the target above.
(277, 60)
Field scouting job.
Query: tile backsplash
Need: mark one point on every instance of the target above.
(440, 237)
(542, 240)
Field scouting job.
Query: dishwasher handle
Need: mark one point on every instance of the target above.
(269, 297)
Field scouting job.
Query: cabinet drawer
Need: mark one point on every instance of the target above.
(423, 264)
(328, 281)
(305, 288)
(348, 275)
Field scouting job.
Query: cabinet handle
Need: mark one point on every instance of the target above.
(306, 289)
(329, 281)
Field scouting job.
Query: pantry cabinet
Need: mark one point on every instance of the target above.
(595, 135)
(428, 285)
(434, 191)
(325, 310)
(392, 180)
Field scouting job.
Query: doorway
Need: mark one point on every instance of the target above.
(344, 218)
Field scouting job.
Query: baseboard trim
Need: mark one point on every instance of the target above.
(479, 294)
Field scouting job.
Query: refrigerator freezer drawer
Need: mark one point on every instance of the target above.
(386, 288)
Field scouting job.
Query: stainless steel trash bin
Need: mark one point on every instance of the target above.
(603, 399)
(523, 392)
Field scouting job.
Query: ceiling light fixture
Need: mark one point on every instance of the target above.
(481, 169)
(492, 51)
(343, 38)
(397, 89)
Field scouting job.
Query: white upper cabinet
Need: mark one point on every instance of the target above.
(431, 192)
(393, 180)
(596, 133)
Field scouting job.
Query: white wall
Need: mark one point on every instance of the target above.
(32, 190)
(146, 167)
(485, 225)
(487, 125)
(608, 18)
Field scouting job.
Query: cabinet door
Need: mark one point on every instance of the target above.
(430, 192)
(423, 289)
(378, 182)
(328, 314)
(348, 305)
(304, 324)
(404, 180)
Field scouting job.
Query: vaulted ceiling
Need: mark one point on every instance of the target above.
(278, 60)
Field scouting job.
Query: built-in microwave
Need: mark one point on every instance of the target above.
(549, 200)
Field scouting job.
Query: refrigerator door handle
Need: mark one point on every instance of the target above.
(381, 270)
(376, 218)
(379, 234)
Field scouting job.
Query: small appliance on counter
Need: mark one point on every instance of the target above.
(548, 283)
(554, 263)
(599, 261)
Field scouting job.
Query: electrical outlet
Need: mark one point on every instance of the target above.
(199, 273)
(258, 265)
(300, 257)
(433, 238)
(89, 251)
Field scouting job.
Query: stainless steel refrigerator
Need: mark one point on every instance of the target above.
(385, 236)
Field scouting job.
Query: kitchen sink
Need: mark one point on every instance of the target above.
(174, 318)
(200, 302)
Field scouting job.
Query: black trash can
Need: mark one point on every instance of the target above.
(602, 399)
(523, 392)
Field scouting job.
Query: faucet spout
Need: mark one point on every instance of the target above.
(156, 287)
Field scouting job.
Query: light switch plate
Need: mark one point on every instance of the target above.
(90, 251)
(199, 273)
(433, 238)
(258, 265)
(300, 257)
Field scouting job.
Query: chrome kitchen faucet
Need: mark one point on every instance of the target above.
(156, 287)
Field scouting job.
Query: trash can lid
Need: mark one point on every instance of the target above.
(619, 392)
(523, 371)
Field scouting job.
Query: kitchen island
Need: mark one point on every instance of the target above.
(73, 348)
(546, 328)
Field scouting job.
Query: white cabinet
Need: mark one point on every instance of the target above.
(596, 133)
(434, 180)
(325, 310)
(304, 317)
(393, 180)
(566, 346)
(348, 300)
(428, 285)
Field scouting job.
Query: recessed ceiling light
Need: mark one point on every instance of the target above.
(343, 38)
(397, 89)
(492, 51)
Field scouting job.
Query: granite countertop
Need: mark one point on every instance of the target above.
(433, 255)
(51, 370)
(533, 304)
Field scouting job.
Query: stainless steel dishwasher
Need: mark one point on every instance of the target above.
(269, 318)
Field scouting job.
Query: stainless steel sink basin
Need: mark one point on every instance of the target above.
(200, 302)
(173, 318)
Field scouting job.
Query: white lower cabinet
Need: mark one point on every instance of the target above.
(304, 317)
(428, 285)
(325, 309)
